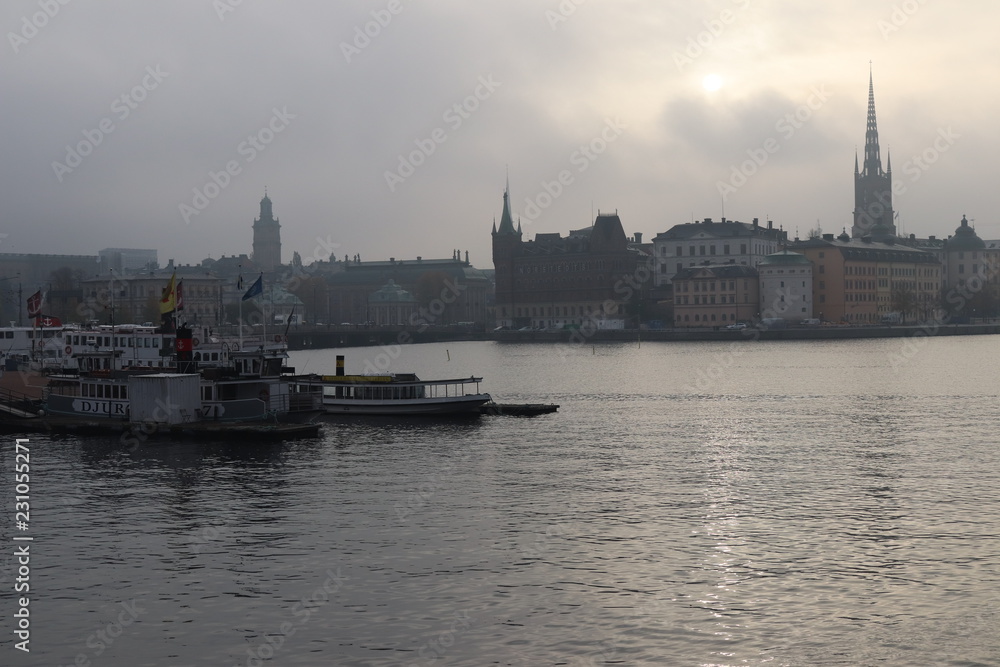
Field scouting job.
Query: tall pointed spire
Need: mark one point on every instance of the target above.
(873, 214)
(506, 220)
(873, 162)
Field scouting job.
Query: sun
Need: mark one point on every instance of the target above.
(712, 83)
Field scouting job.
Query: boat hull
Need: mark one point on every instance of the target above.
(452, 405)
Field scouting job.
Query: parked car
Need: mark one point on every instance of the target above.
(737, 325)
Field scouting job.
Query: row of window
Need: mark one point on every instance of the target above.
(567, 267)
(119, 341)
(707, 318)
(710, 249)
(709, 300)
(709, 286)
(92, 390)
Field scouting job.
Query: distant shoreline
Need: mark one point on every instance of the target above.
(302, 339)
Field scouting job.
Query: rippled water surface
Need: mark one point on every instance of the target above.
(795, 503)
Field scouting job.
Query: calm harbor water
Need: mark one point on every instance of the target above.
(782, 503)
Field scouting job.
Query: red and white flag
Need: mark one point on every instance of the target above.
(35, 304)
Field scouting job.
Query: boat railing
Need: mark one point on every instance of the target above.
(387, 388)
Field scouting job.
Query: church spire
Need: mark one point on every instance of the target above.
(506, 220)
(873, 163)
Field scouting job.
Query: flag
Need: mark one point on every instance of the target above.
(239, 283)
(35, 304)
(256, 289)
(180, 294)
(168, 299)
(48, 321)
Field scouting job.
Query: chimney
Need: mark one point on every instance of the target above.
(931, 238)
(770, 224)
(827, 237)
(707, 221)
(638, 237)
(756, 223)
(723, 218)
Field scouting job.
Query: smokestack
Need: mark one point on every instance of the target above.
(184, 347)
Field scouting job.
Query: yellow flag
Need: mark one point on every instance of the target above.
(168, 300)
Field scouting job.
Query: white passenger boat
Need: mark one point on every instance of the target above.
(393, 394)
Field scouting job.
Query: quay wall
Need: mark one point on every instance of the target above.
(303, 338)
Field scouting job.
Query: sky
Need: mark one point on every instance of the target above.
(390, 128)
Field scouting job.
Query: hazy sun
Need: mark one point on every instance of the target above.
(712, 83)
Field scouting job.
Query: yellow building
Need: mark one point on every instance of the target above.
(712, 296)
(861, 281)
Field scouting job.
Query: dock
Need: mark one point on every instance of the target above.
(517, 409)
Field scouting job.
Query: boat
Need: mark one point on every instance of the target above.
(248, 393)
(399, 394)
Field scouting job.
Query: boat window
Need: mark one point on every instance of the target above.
(125, 392)
(114, 392)
(156, 342)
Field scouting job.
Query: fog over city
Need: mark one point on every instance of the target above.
(389, 128)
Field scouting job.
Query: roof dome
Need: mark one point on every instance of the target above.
(965, 238)
(784, 258)
(391, 293)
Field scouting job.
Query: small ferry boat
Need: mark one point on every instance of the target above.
(250, 389)
(393, 394)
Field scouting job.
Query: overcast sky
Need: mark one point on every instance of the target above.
(388, 128)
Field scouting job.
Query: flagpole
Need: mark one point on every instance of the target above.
(239, 288)
(265, 310)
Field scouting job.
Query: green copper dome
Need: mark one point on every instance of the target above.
(965, 238)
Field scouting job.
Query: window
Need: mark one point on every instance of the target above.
(725, 249)
(743, 248)
(822, 268)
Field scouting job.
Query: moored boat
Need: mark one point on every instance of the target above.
(393, 394)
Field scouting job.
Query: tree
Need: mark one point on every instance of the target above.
(903, 301)
(312, 292)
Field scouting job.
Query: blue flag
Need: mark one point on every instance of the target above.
(255, 289)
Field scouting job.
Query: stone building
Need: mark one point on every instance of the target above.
(971, 274)
(861, 280)
(786, 286)
(266, 238)
(713, 243)
(391, 305)
(134, 299)
(715, 295)
(447, 291)
(592, 275)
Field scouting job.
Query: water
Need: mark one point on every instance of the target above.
(786, 503)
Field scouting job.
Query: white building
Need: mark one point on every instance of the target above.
(713, 243)
(786, 286)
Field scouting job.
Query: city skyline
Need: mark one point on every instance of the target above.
(666, 114)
